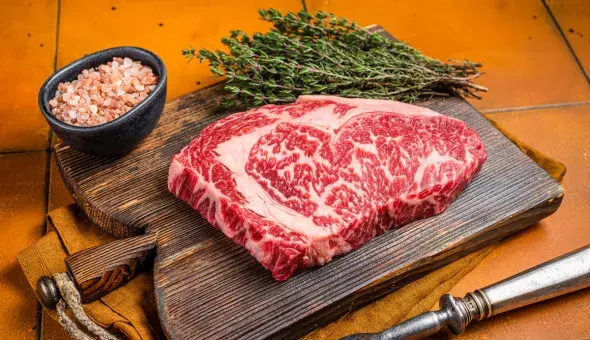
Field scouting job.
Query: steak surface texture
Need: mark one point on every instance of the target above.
(299, 184)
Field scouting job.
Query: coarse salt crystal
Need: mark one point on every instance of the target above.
(104, 93)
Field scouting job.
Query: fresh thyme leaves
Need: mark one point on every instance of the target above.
(322, 53)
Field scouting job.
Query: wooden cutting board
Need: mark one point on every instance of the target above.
(207, 287)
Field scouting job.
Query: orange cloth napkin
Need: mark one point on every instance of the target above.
(130, 311)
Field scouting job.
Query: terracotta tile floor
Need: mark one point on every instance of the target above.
(162, 28)
(562, 133)
(537, 71)
(22, 212)
(27, 35)
(572, 16)
(523, 52)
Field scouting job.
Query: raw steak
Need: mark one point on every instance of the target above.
(299, 184)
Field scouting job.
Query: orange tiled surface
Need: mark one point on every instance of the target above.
(562, 133)
(163, 27)
(22, 213)
(572, 16)
(525, 56)
(27, 54)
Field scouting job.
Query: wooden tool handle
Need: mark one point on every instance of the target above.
(99, 270)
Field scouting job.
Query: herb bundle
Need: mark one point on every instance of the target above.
(326, 54)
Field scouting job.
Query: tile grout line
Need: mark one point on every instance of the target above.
(535, 107)
(567, 43)
(50, 134)
(57, 35)
(39, 321)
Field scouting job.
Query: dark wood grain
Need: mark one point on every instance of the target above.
(99, 270)
(207, 287)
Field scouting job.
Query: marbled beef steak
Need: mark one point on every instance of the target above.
(299, 184)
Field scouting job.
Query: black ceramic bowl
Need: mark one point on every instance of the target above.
(122, 134)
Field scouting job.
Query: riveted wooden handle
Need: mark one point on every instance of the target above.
(99, 270)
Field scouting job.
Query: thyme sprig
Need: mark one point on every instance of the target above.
(322, 53)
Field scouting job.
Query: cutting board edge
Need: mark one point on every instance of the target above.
(364, 295)
(396, 280)
(110, 225)
(119, 229)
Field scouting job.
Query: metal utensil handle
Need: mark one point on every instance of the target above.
(417, 327)
(559, 276)
(562, 275)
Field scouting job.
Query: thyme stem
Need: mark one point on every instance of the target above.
(322, 53)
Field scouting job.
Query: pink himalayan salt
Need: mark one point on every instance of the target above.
(103, 94)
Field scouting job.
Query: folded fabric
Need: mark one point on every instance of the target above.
(130, 311)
